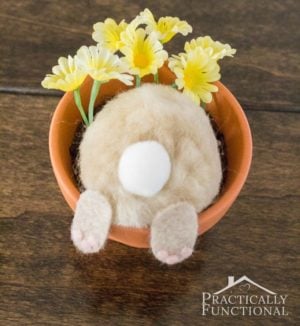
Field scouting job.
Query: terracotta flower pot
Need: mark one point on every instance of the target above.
(225, 110)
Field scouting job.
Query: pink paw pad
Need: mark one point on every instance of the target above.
(89, 245)
(162, 255)
(172, 259)
(186, 252)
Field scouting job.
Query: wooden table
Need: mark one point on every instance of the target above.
(43, 280)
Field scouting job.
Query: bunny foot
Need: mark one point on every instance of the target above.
(174, 233)
(91, 222)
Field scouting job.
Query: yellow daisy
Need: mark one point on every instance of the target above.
(166, 27)
(67, 75)
(195, 72)
(216, 49)
(108, 33)
(102, 65)
(143, 53)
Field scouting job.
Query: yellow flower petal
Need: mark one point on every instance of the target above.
(195, 72)
(108, 34)
(143, 53)
(166, 27)
(102, 65)
(67, 75)
(216, 49)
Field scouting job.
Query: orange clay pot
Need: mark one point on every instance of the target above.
(226, 112)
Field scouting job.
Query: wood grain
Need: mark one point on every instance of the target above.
(264, 74)
(25, 163)
(45, 282)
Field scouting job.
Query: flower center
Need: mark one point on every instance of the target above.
(141, 60)
(192, 77)
(190, 80)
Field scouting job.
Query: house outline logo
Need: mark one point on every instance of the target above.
(243, 302)
(232, 283)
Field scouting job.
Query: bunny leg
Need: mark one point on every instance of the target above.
(91, 222)
(174, 233)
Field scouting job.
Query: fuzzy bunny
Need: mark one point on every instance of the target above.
(151, 159)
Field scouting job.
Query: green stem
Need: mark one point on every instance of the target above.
(203, 105)
(174, 85)
(78, 102)
(94, 93)
(137, 81)
(156, 78)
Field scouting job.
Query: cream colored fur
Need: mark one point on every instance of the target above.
(156, 113)
(160, 113)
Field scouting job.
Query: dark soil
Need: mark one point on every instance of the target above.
(222, 150)
(74, 151)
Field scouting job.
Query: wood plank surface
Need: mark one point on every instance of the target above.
(44, 281)
(264, 75)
